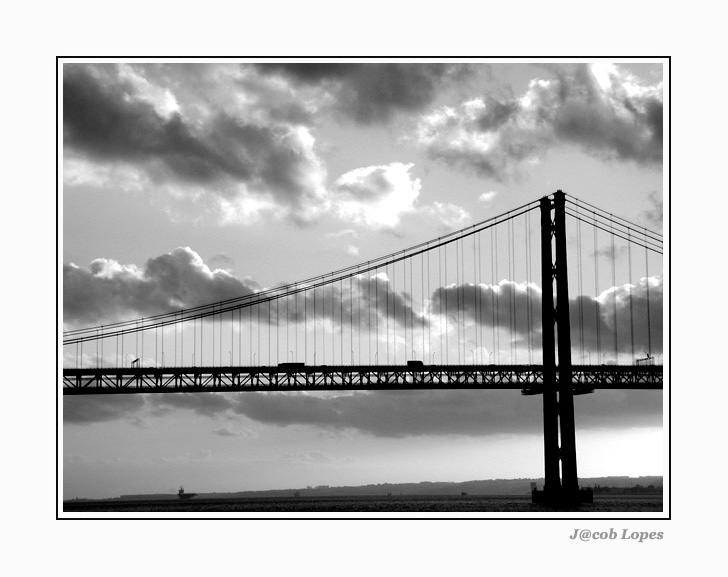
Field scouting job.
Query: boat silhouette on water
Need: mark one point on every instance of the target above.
(182, 495)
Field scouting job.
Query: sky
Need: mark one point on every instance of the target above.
(188, 183)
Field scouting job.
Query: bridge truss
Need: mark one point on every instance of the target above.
(529, 378)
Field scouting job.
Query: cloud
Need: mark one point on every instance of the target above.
(514, 309)
(201, 455)
(107, 290)
(134, 409)
(206, 404)
(379, 196)
(222, 261)
(226, 432)
(376, 196)
(85, 409)
(653, 216)
(370, 93)
(620, 312)
(399, 414)
(448, 216)
(232, 143)
(360, 301)
(601, 109)
(316, 458)
(487, 197)
(176, 129)
(492, 305)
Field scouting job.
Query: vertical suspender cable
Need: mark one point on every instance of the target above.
(457, 294)
(369, 316)
(596, 294)
(492, 295)
(429, 308)
(580, 294)
(476, 287)
(386, 294)
(497, 304)
(358, 316)
(314, 323)
(439, 301)
(408, 344)
(514, 288)
(528, 287)
(447, 298)
(422, 302)
(647, 286)
(479, 326)
(376, 312)
(614, 293)
(341, 322)
(305, 326)
(631, 290)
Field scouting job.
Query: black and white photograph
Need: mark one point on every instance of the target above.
(376, 289)
(413, 287)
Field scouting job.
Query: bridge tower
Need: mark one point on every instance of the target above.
(561, 483)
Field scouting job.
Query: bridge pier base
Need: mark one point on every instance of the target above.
(561, 496)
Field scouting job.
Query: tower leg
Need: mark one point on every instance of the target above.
(552, 480)
(561, 480)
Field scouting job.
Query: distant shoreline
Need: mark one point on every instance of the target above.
(651, 485)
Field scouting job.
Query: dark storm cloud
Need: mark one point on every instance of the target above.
(99, 408)
(607, 121)
(458, 412)
(603, 111)
(619, 313)
(392, 414)
(207, 404)
(107, 119)
(104, 117)
(374, 92)
(505, 305)
(361, 301)
(108, 291)
(310, 72)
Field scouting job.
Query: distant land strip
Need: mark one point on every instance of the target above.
(607, 485)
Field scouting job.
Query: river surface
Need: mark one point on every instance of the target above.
(368, 504)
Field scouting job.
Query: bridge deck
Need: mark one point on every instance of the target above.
(294, 376)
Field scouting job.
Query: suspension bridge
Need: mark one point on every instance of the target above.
(470, 309)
